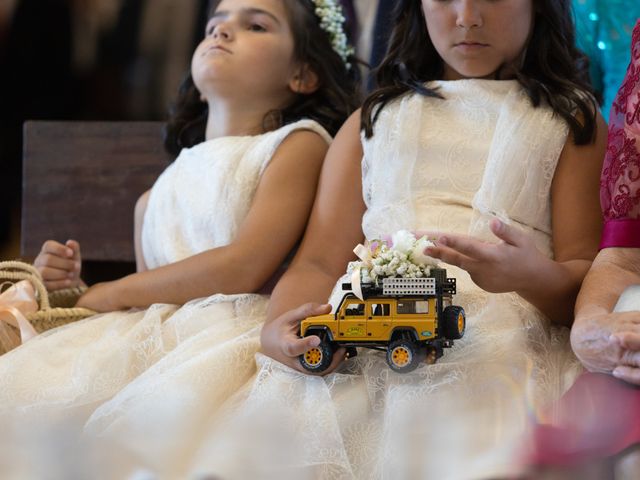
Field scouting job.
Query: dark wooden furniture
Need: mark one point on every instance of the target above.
(81, 180)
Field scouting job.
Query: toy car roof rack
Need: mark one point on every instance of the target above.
(436, 284)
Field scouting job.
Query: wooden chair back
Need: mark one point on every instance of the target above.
(81, 180)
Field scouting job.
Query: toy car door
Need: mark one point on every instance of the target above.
(351, 322)
(378, 319)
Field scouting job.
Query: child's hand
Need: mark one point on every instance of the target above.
(280, 340)
(495, 267)
(59, 264)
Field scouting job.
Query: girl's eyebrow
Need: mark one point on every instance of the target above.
(247, 11)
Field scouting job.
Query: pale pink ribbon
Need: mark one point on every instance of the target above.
(16, 302)
(364, 253)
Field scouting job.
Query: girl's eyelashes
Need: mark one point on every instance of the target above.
(256, 27)
(247, 23)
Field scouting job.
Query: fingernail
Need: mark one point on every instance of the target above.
(314, 341)
(67, 282)
(69, 252)
(77, 265)
(613, 338)
(616, 373)
(443, 241)
(71, 274)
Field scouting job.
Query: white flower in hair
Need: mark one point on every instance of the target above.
(332, 21)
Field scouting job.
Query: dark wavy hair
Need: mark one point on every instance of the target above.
(336, 98)
(553, 71)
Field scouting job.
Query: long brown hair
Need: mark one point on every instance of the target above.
(330, 105)
(554, 70)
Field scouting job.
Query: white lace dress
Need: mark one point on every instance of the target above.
(62, 376)
(432, 164)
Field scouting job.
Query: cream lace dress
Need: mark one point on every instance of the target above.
(445, 165)
(60, 377)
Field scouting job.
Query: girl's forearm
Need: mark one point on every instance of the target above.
(215, 271)
(613, 270)
(554, 288)
(303, 282)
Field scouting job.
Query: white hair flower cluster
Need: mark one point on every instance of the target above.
(403, 258)
(332, 21)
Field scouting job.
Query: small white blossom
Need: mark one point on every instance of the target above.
(418, 256)
(405, 258)
(331, 21)
(403, 241)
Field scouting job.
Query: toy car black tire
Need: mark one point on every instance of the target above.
(405, 354)
(317, 359)
(454, 322)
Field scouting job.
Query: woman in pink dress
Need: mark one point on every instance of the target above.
(598, 419)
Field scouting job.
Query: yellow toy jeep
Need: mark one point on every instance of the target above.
(413, 319)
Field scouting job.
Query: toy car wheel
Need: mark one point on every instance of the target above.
(404, 355)
(454, 322)
(317, 359)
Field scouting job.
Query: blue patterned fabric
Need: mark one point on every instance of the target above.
(603, 29)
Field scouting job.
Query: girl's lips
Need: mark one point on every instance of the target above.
(470, 46)
(216, 48)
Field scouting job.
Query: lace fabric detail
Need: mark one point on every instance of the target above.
(365, 421)
(620, 184)
(241, 415)
(118, 382)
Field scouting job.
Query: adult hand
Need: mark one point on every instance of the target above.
(628, 368)
(280, 340)
(495, 267)
(101, 297)
(59, 265)
(609, 343)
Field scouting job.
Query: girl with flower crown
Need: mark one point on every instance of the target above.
(270, 83)
(483, 132)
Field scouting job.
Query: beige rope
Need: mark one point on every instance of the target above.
(46, 317)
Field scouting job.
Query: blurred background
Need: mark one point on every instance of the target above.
(85, 60)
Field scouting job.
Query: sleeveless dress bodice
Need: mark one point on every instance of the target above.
(201, 199)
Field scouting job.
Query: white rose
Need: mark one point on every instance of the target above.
(403, 241)
(418, 256)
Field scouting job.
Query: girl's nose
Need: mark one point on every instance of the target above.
(223, 31)
(469, 14)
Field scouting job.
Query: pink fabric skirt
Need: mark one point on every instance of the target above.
(597, 418)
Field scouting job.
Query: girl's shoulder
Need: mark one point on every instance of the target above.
(299, 125)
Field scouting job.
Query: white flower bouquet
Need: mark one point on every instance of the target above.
(402, 257)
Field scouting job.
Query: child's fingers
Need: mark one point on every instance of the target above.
(52, 247)
(52, 274)
(507, 233)
(450, 256)
(430, 234)
(52, 285)
(295, 346)
(50, 261)
(75, 246)
(467, 246)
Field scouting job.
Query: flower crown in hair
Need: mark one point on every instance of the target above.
(332, 21)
